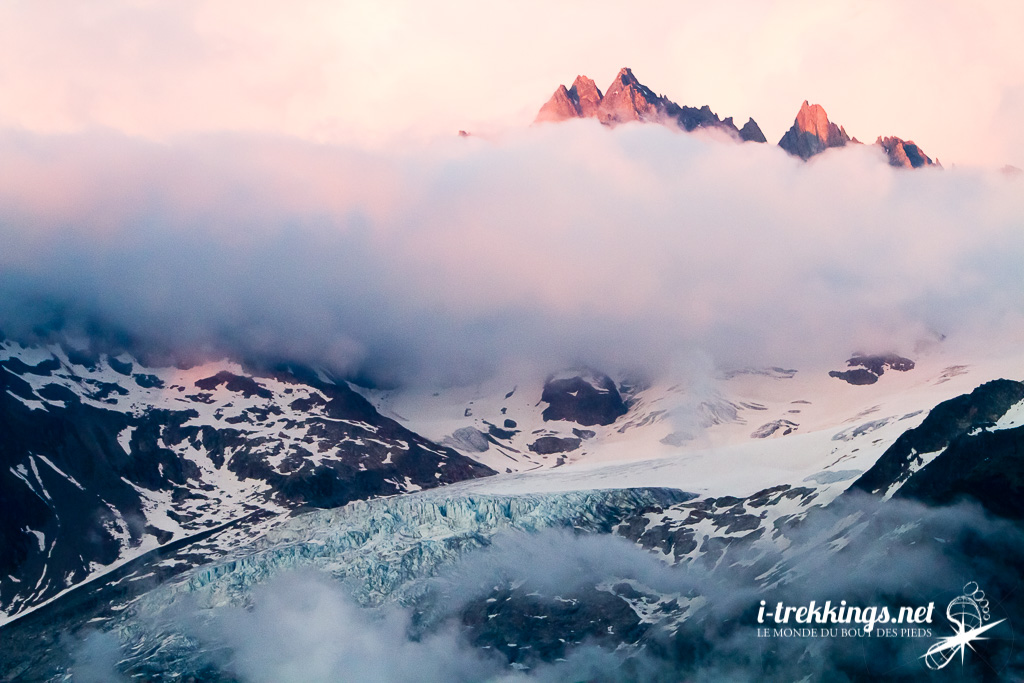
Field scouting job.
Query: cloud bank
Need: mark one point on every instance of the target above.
(556, 245)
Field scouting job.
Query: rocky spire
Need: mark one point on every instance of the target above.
(751, 132)
(812, 133)
(904, 153)
(587, 96)
(627, 99)
(560, 107)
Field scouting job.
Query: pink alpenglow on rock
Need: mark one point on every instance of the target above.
(628, 100)
(812, 133)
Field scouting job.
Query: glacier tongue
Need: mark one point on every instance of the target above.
(383, 550)
(381, 546)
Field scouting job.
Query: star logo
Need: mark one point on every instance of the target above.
(967, 614)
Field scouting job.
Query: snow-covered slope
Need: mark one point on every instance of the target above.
(731, 434)
(808, 516)
(103, 459)
(195, 473)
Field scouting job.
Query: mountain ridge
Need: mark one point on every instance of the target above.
(627, 100)
(103, 458)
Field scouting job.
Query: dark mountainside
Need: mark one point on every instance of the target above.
(101, 458)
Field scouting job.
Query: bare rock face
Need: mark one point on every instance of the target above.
(587, 96)
(812, 133)
(867, 369)
(560, 107)
(751, 132)
(589, 398)
(548, 445)
(786, 427)
(904, 153)
(582, 100)
(982, 465)
(627, 100)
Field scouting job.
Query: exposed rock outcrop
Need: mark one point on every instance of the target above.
(589, 398)
(904, 153)
(587, 96)
(546, 445)
(628, 100)
(867, 369)
(812, 133)
(751, 132)
(965, 461)
(560, 107)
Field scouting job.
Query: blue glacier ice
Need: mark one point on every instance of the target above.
(380, 550)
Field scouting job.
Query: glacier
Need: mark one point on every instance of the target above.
(383, 551)
(381, 546)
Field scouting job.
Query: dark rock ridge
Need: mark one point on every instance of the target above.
(904, 153)
(867, 369)
(948, 430)
(101, 459)
(987, 467)
(751, 132)
(627, 99)
(812, 133)
(587, 399)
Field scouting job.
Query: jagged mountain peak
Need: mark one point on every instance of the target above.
(583, 82)
(586, 95)
(751, 132)
(904, 153)
(629, 100)
(812, 118)
(812, 132)
(626, 77)
(560, 107)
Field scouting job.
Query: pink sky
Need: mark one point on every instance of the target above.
(946, 73)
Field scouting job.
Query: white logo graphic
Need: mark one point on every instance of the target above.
(967, 614)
